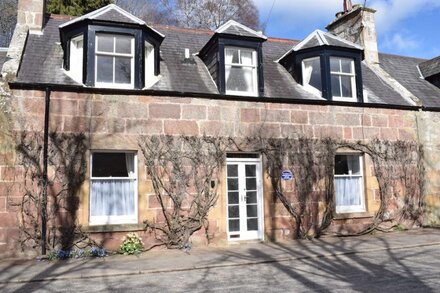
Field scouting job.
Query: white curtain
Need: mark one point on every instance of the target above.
(129, 162)
(113, 197)
(307, 74)
(229, 55)
(348, 191)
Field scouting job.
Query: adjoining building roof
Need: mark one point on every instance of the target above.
(430, 67)
(43, 58)
(234, 28)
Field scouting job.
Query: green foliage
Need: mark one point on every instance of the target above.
(132, 244)
(75, 7)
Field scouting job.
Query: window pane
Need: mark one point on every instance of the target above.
(239, 79)
(233, 197)
(112, 197)
(232, 56)
(347, 165)
(347, 89)
(246, 57)
(252, 224)
(105, 43)
(251, 184)
(234, 225)
(232, 184)
(232, 171)
(122, 70)
(335, 66)
(234, 211)
(104, 69)
(123, 45)
(251, 170)
(348, 191)
(251, 197)
(312, 73)
(252, 211)
(112, 164)
(346, 65)
(336, 89)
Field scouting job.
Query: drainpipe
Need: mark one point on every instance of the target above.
(45, 177)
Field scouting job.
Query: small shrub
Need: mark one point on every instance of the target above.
(131, 244)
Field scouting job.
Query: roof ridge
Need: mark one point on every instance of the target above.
(396, 55)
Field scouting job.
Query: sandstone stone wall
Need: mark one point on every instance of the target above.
(113, 122)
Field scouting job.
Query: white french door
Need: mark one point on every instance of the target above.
(245, 199)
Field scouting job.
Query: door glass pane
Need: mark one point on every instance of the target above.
(123, 45)
(122, 70)
(251, 183)
(252, 211)
(233, 197)
(336, 90)
(251, 197)
(251, 170)
(232, 170)
(105, 43)
(347, 90)
(234, 225)
(252, 224)
(232, 184)
(104, 69)
(234, 211)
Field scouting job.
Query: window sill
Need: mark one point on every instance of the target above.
(114, 228)
(353, 215)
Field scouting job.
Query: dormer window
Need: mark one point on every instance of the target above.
(234, 58)
(114, 61)
(327, 66)
(110, 48)
(241, 71)
(343, 79)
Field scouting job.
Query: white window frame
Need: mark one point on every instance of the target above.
(150, 77)
(112, 220)
(76, 59)
(114, 54)
(254, 67)
(307, 86)
(340, 74)
(357, 208)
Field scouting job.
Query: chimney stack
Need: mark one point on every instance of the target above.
(357, 25)
(31, 14)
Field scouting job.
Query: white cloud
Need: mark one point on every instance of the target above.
(401, 42)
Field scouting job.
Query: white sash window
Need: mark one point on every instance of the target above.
(113, 190)
(343, 79)
(241, 71)
(349, 184)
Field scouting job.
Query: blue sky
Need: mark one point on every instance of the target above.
(404, 27)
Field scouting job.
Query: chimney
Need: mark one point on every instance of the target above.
(31, 14)
(356, 24)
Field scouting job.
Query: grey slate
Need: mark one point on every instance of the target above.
(430, 67)
(238, 31)
(114, 16)
(42, 63)
(404, 70)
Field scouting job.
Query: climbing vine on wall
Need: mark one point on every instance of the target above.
(67, 171)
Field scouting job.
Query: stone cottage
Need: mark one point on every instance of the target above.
(116, 122)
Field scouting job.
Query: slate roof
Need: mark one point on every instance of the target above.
(320, 38)
(42, 63)
(234, 28)
(430, 67)
(405, 71)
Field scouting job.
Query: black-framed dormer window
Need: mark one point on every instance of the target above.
(114, 60)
